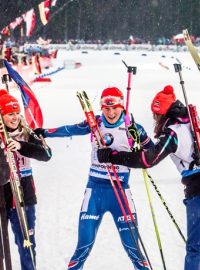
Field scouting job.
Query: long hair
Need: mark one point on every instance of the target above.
(22, 131)
(23, 125)
(159, 122)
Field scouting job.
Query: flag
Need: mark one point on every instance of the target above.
(5, 31)
(44, 9)
(30, 19)
(32, 110)
(53, 3)
(16, 23)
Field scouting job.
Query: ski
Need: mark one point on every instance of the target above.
(18, 194)
(191, 48)
(92, 122)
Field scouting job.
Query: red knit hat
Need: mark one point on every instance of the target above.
(8, 103)
(112, 96)
(163, 100)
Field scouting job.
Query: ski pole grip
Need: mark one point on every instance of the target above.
(177, 67)
(6, 78)
(129, 68)
(132, 70)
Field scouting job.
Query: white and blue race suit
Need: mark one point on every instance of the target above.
(99, 197)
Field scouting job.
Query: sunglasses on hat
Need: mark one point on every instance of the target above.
(110, 101)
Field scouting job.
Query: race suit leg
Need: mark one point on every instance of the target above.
(89, 220)
(138, 260)
(24, 252)
(192, 258)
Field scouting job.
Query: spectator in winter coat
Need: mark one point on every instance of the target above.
(24, 144)
(99, 196)
(172, 129)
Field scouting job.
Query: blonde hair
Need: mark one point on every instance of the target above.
(24, 127)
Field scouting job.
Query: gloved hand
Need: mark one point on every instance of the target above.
(133, 132)
(104, 155)
(13, 145)
(39, 131)
(5, 172)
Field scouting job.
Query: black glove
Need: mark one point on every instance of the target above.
(5, 169)
(39, 131)
(104, 155)
(133, 132)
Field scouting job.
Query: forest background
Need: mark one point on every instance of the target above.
(108, 20)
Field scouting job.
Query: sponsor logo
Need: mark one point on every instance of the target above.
(91, 119)
(102, 166)
(108, 139)
(122, 218)
(123, 229)
(12, 103)
(85, 216)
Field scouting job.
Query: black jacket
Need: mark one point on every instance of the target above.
(33, 148)
(4, 168)
(166, 144)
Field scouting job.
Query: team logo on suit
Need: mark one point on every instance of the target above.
(108, 139)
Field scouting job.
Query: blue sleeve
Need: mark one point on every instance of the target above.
(68, 130)
(145, 140)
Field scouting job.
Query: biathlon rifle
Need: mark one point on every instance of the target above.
(193, 117)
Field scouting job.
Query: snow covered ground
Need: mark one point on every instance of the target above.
(61, 182)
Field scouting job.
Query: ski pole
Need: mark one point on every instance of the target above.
(145, 174)
(154, 219)
(166, 207)
(129, 212)
(133, 132)
(131, 70)
(87, 108)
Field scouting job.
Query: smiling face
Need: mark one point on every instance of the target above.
(112, 114)
(12, 120)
